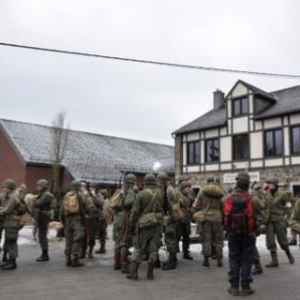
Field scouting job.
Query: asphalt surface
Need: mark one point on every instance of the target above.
(97, 280)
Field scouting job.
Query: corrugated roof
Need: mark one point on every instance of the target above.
(90, 156)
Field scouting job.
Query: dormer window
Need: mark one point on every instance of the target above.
(240, 106)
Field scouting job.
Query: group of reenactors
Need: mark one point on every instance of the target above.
(157, 215)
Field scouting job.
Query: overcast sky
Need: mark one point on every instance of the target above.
(144, 102)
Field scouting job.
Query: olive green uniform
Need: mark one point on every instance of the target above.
(42, 214)
(294, 221)
(92, 205)
(121, 231)
(102, 225)
(211, 224)
(184, 225)
(148, 238)
(275, 220)
(74, 227)
(11, 222)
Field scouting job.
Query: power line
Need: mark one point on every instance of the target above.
(143, 61)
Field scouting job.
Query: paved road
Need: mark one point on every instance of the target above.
(97, 280)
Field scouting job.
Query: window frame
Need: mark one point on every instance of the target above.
(206, 152)
(233, 147)
(240, 100)
(193, 161)
(292, 139)
(273, 130)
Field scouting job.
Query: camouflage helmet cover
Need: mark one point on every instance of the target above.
(243, 175)
(272, 180)
(76, 184)
(9, 184)
(162, 177)
(42, 183)
(149, 178)
(130, 178)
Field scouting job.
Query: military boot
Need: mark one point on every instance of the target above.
(290, 256)
(75, 262)
(257, 267)
(117, 264)
(274, 262)
(124, 265)
(101, 250)
(90, 253)
(206, 261)
(150, 275)
(4, 259)
(10, 265)
(186, 255)
(246, 290)
(44, 256)
(293, 242)
(171, 263)
(133, 271)
(219, 256)
(68, 260)
(234, 290)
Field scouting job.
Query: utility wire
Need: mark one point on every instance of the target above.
(143, 61)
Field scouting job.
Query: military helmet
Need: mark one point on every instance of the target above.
(136, 189)
(130, 178)
(94, 185)
(42, 183)
(149, 178)
(76, 184)
(273, 180)
(243, 175)
(9, 184)
(213, 179)
(184, 184)
(162, 177)
(183, 178)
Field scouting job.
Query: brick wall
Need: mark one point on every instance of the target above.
(11, 165)
(36, 172)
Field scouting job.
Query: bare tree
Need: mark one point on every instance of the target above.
(60, 134)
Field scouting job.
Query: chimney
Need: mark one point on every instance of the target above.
(219, 99)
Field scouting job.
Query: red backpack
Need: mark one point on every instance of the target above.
(239, 214)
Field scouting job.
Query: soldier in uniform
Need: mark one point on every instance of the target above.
(294, 221)
(275, 221)
(93, 203)
(10, 219)
(121, 232)
(184, 225)
(42, 214)
(170, 228)
(103, 217)
(146, 221)
(209, 203)
(73, 222)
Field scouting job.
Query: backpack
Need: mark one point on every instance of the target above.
(71, 204)
(116, 201)
(239, 214)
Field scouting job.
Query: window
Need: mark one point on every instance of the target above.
(295, 139)
(241, 147)
(193, 153)
(212, 150)
(273, 143)
(240, 106)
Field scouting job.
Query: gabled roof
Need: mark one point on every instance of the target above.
(288, 101)
(213, 118)
(89, 156)
(282, 102)
(254, 89)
